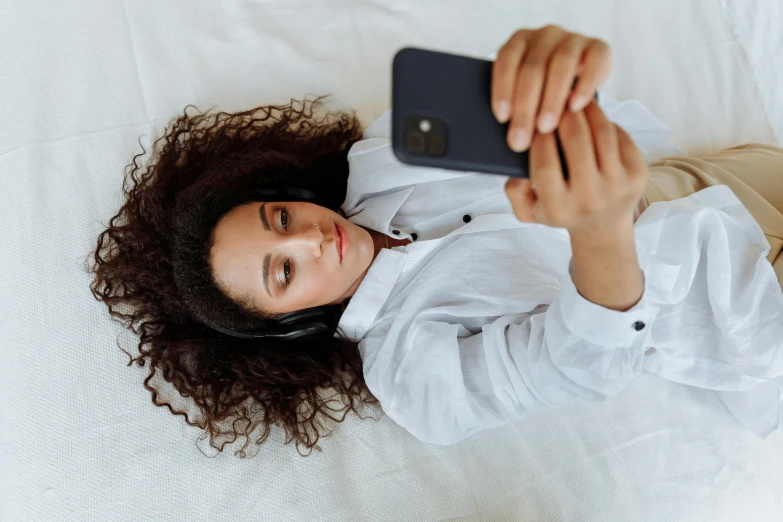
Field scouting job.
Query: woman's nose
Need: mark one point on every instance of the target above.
(311, 240)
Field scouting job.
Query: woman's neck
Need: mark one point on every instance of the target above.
(379, 240)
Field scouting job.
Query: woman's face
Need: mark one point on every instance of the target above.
(273, 255)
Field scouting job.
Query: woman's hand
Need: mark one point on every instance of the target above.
(533, 77)
(607, 175)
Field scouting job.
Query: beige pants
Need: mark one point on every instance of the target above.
(753, 172)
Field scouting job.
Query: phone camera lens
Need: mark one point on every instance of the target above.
(415, 142)
(437, 145)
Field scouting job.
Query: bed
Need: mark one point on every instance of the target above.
(83, 82)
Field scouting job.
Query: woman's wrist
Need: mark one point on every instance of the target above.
(605, 234)
(605, 268)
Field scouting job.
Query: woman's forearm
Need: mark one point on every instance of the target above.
(606, 270)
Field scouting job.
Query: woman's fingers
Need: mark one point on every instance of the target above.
(533, 79)
(504, 74)
(579, 151)
(559, 81)
(607, 174)
(593, 69)
(604, 136)
(522, 196)
(529, 86)
(546, 174)
(630, 155)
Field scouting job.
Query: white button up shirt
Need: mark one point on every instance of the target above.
(478, 321)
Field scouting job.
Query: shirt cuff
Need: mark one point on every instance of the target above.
(603, 326)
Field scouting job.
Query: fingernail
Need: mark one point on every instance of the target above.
(546, 122)
(578, 103)
(502, 111)
(519, 140)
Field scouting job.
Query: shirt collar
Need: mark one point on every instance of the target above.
(377, 212)
(372, 294)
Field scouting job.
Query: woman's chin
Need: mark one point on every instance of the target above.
(366, 244)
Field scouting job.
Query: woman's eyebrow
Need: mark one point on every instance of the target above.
(268, 257)
(264, 220)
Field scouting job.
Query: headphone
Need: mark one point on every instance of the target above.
(305, 324)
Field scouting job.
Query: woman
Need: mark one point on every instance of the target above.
(463, 300)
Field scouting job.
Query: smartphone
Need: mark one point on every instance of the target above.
(442, 117)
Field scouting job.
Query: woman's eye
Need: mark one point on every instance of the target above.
(287, 272)
(284, 218)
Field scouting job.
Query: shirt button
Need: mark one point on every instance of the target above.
(414, 236)
(466, 218)
(396, 232)
(638, 325)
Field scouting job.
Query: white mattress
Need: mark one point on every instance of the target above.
(80, 81)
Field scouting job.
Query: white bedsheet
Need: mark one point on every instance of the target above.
(80, 81)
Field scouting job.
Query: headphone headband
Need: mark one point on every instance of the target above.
(290, 192)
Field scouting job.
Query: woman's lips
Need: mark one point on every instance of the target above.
(344, 242)
(339, 243)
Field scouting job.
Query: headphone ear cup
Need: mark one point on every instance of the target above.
(302, 331)
(314, 321)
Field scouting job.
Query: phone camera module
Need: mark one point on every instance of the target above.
(425, 135)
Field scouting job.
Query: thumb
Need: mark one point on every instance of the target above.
(522, 197)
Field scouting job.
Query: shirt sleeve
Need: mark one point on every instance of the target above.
(443, 383)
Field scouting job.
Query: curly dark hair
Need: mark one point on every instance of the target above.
(151, 268)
